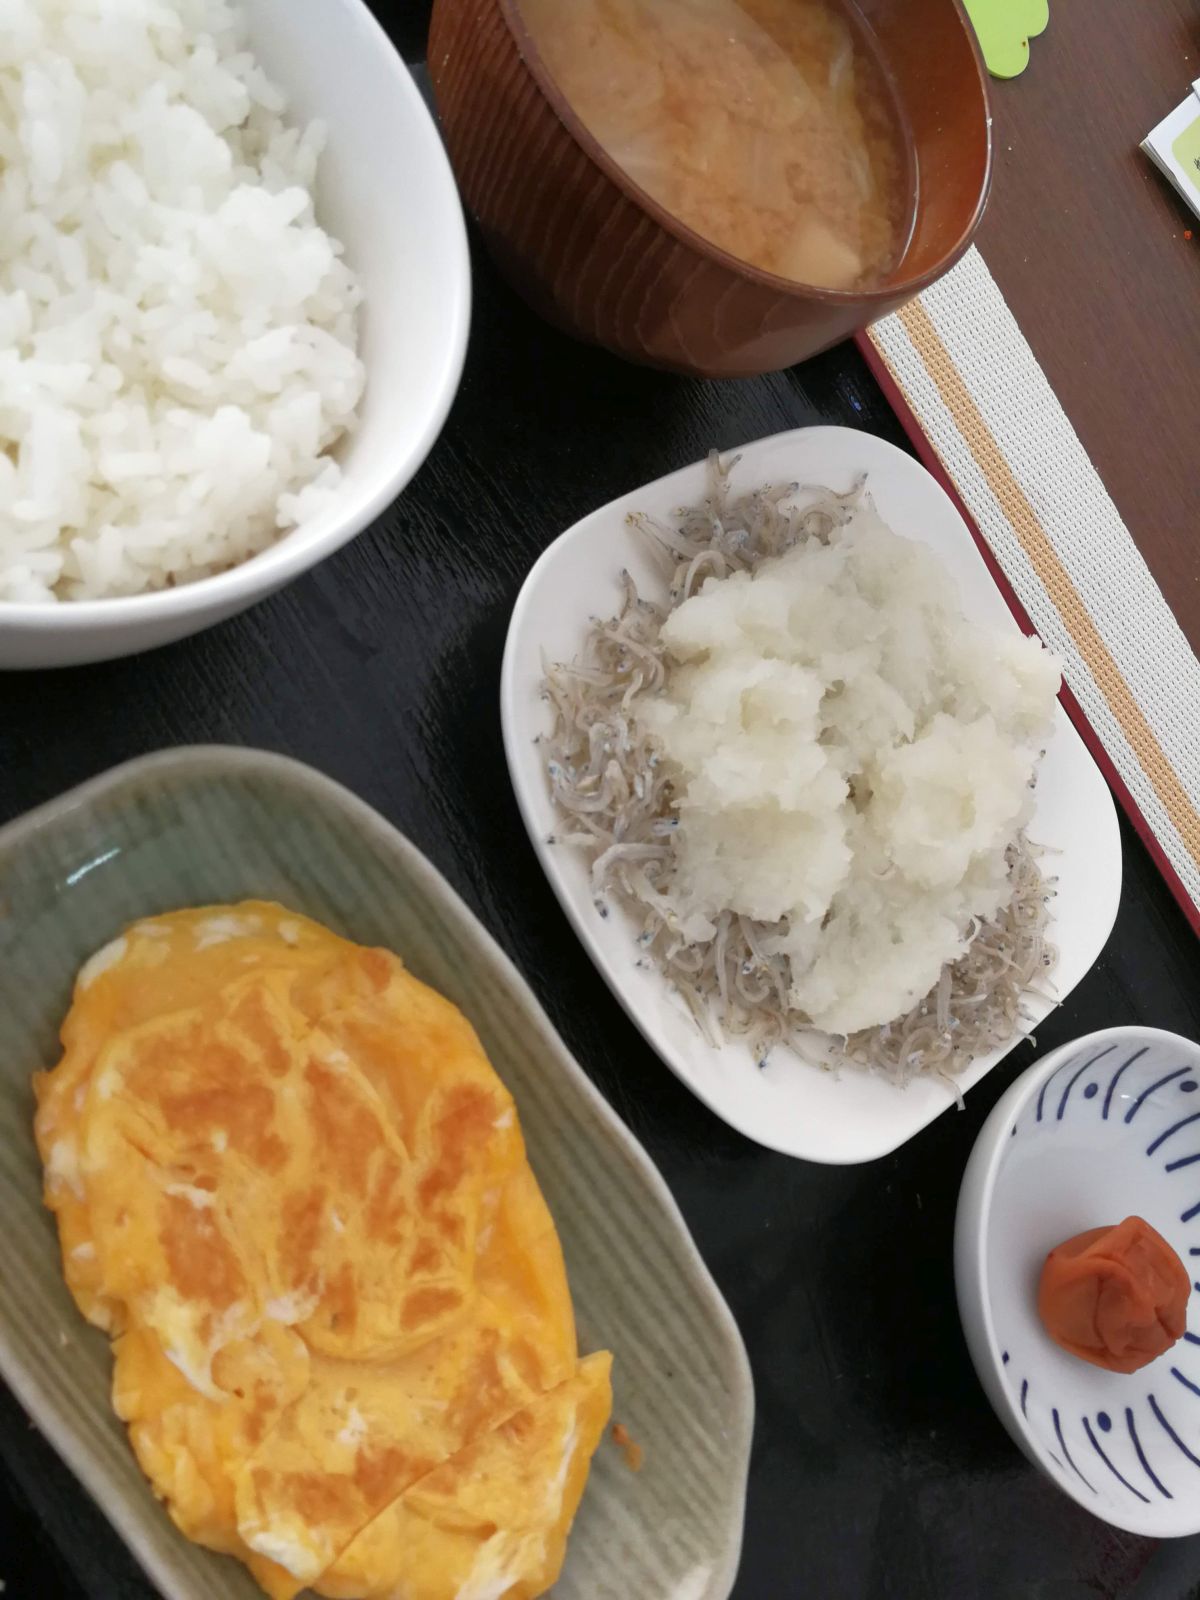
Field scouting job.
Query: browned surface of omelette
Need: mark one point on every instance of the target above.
(291, 1188)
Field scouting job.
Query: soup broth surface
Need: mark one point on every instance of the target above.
(766, 126)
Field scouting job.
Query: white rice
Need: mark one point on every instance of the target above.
(177, 334)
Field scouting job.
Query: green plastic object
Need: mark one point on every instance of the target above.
(1005, 28)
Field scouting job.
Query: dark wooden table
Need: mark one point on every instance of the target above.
(879, 1468)
(1087, 242)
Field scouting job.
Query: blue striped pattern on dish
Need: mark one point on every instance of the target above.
(1151, 1448)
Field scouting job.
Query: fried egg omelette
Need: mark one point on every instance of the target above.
(292, 1189)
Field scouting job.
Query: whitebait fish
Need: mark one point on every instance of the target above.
(613, 792)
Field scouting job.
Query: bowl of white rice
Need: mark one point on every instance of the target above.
(234, 303)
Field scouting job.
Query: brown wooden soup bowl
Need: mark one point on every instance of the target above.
(599, 258)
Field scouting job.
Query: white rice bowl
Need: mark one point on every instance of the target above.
(177, 333)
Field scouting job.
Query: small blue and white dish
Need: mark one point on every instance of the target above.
(1102, 1129)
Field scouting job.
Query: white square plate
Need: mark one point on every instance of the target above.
(789, 1105)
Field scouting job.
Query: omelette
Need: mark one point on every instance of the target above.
(293, 1191)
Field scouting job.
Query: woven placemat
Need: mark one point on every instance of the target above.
(983, 416)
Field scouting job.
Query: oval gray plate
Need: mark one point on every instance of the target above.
(204, 825)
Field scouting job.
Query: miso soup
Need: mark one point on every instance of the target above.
(767, 126)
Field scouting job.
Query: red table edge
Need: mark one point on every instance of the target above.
(933, 464)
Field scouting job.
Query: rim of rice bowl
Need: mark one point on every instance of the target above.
(295, 551)
(352, 506)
